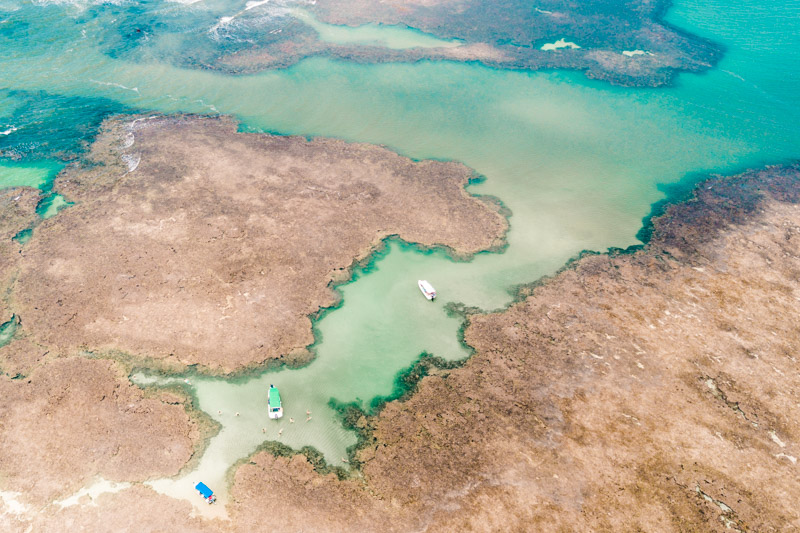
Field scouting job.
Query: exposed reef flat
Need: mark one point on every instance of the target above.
(138, 508)
(71, 420)
(506, 34)
(192, 242)
(655, 390)
(652, 390)
(17, 213)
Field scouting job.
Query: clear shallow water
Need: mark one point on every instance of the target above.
(577, 162)
(51, 205)
(28, 174)
(356, 362)
(7, 330)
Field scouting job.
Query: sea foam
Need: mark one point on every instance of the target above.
(255, 3)
(132, 160)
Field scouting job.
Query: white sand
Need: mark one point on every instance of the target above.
(255, 3)
(101, 486)
(10, 503)
(561, 43)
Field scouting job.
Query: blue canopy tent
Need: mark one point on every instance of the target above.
(205, 492)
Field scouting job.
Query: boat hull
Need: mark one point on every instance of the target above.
(274, 403)
(426, 289)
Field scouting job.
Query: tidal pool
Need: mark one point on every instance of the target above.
(34, 174)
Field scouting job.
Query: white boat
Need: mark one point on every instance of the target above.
(427, 289)
(274, 402)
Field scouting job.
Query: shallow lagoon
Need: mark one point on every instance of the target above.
(577, 162)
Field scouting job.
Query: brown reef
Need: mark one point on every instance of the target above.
(138, 508)
(506, 34)
(17, 213)
(653, 389)
(74, 419)
(648, 390)
(192, 243)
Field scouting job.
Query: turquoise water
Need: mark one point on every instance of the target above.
(51, 205)
(28, 174)
(7, 330)
(577, 162)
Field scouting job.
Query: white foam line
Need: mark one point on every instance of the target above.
(210, 106)
(119, 85)
(251, 4)
(132, 160)
(734, 75)
(132, 126)
(255, 3)
(9, 131)
(223, 21)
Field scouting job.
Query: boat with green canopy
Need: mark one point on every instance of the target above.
(274, 401)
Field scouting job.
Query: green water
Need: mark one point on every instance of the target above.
(7, 330)
(394, 37)
(23, 236)
(577, 162)
(34, 174)
(51, 205)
